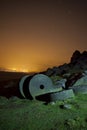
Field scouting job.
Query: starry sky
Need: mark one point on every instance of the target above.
(38, 34)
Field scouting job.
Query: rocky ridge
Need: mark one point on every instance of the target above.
(71, 76)
(78, 63)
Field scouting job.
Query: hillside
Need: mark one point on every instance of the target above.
(61, 113)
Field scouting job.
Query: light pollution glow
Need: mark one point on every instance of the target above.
(38, 34)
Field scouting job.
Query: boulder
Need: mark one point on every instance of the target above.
(84, 73)
(81, 82)
(80, 89)
(61, 83)
(76, 55)
(63, 95)
(41, 84)
(72, 79)
(79, 61)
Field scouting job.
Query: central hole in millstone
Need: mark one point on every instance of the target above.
(41, 86)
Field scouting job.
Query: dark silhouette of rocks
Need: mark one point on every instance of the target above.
(72, 71)
(79, 60)
(78, 63)
(76, 55)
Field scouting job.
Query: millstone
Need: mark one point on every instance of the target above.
(41, 84)
(21, 85)
(63, 95)
(24, 86)
(36, 85)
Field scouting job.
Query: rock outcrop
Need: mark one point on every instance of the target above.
(78, 63)
(74, 73)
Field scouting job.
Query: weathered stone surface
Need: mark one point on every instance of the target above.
(41, 84)
(21, 85)
(84, 73)
(61, 83)
(80, 89)
(72, 79)
(63, 95)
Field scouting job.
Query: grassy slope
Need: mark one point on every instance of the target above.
(19, 114)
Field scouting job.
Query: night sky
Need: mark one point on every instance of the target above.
(37, 34)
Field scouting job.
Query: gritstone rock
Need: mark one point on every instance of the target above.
(84, 73)
(81, 81)
(80, 89)
(61, 82)
(41, 84)
(78, 62)
(76, 55)
(63, 95)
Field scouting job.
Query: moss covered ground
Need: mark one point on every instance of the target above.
(23, 114)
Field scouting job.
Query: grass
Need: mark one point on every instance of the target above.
(23, 114)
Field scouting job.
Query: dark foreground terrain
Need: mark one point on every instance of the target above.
(23, 114)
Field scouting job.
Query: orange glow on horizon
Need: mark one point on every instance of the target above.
(13, 69)
(21, 69)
